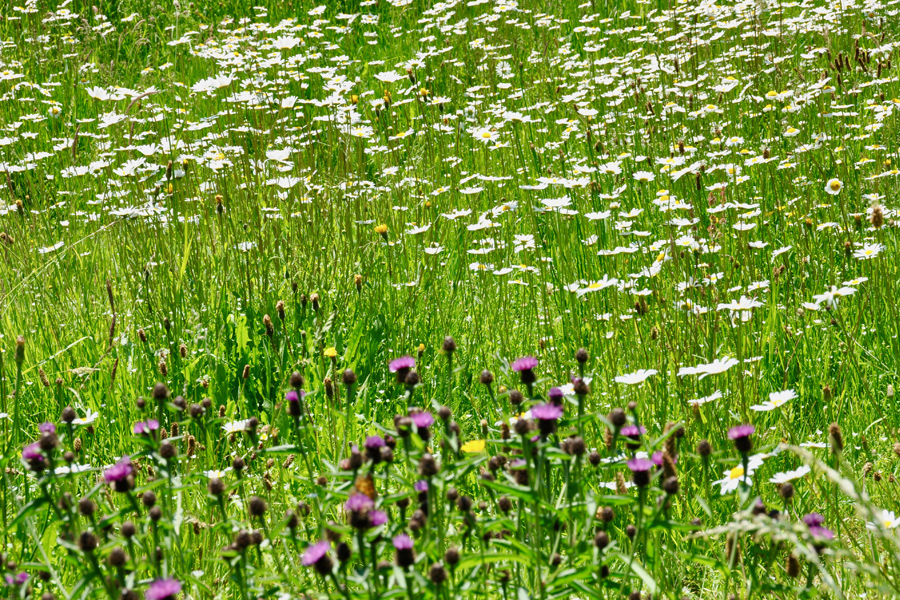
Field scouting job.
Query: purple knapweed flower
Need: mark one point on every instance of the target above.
(163, 589)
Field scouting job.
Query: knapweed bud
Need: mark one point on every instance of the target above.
(68, 414)
(348, 377)
(581, 355)
(515, 397)
(257, 506)
(449, 345)
(296, 380)
(160, 392)
(704, 448)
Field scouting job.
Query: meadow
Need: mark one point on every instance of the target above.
(466, 299)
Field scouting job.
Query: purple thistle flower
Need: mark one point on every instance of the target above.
(546, 412)
(741, 431)
(740, 435)
(657, 458)
(556, 396)
(821, 533)
(546, 416)
(638, 465)
(421, 486)
(17, 579)
(640, 470)
(813, 519)
(146, 427)
(378, 517)
(526, 363)
(422, 420)
(403, 542)
(292, 396)
(163, 589)
(358, 503)
(374, 442)
(633, 431)
(118, 474)
(32, 452)
(315, 553)
(47, 428)
(404, 363)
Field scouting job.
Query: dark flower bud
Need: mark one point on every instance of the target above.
(581, 387)
(787, 490)
(167, 450)
(704, 448)
(444, 413)
(515, 397)
(449, 345)
(87, 541)
(452, 495)
(556, 559)
(617, 417)
(413, 379)
(630, 531)
(601, 540)
(160, 391)
(427, 466)
(464, 504)
(581, 355)
(504, 504)
(437, 574)
(670, 486)
(155, 513)
(68, 414)
(179, 403)
(343, 552)
(86, 507)
(257, 506)
(128, 530)
(487, 378)
(348, 377)
(296, 380)
(238, 464)
(594, 458)
(148, 499)
(216, 486)
(451, 556)
(607, 514)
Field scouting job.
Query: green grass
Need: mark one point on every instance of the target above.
(215, 196)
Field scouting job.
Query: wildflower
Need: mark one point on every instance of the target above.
(406, 555)
(422, 421)
(525, 368)
(359, 505)
(473, 446)
(401, 366)
(733, 478)
(868, 251)
(163, 589)
(640, 471)
(885, 518)
(373, 445)
(146, 427)
(834, 186)
(316, 556)
(119, 475)
(546, 416)
(637, 377)
(776, 399)
(740, 435)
